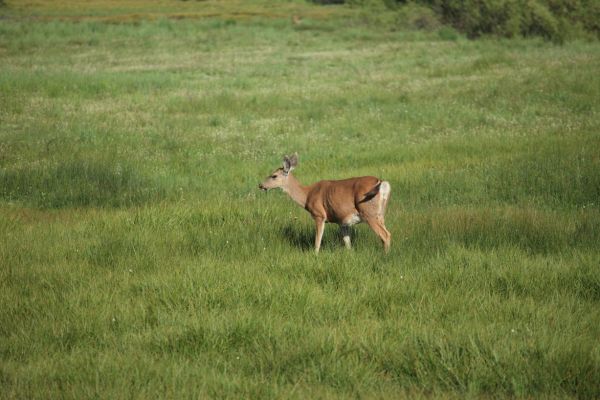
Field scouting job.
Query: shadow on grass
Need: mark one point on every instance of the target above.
(303, 238)
(298, 237)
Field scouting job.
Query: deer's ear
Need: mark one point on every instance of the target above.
(288, 165)
(294, 160)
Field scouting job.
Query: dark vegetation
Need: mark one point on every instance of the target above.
(556, 20)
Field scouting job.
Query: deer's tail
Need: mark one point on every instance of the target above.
(383, 188)
(372, 193)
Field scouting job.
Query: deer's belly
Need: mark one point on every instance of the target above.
(352, 219)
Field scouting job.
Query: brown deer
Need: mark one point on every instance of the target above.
(345, 202)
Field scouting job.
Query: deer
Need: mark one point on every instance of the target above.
(345, 202)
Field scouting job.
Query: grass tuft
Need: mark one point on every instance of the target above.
(78, 184)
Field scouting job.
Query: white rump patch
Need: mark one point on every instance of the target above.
(385, 189)
(384, 192)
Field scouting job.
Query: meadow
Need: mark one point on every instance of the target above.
(138, 259)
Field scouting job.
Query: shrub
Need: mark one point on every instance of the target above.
(552, 19)
(555, 20)
(416, 16)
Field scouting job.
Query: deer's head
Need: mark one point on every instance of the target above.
(278, 178)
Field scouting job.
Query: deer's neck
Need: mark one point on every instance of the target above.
(296, 191)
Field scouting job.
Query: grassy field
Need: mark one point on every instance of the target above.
(138, 258)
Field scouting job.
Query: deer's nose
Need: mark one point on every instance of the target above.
(260, 186)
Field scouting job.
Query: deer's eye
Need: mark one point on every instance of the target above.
(273, 176)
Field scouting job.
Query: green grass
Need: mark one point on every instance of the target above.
(138, 258)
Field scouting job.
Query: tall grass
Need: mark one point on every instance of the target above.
(138, 258)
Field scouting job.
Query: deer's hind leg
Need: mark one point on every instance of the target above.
(345, 231)
(380, 230)
(373, 213)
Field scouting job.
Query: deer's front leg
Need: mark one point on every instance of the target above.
(320, 222)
